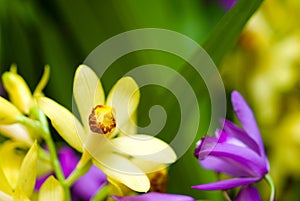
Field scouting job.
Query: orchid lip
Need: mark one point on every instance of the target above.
(102, 120)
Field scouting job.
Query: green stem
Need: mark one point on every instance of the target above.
(40, 125)
(224, 192)
(77, 173)
(43, 155)
(101, 194)
(269, 180)
(56, 166)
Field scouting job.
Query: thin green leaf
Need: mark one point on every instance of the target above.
(226, 32)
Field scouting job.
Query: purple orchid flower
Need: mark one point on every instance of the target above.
(86, 186)
(154, 196)
(238, 152)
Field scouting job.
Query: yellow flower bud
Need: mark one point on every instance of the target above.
(18, 91)
(8, 112)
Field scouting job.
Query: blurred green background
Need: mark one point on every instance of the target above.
(62, 33)
(263, 64)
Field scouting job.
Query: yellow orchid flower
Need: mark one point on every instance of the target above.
(17, 173)
(18, 90)
(22, 101)
(106, 125)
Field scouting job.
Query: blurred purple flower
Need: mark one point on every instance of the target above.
(86, 186)
(227, 4)
(2, 91)
(236, 151)
(154, 196)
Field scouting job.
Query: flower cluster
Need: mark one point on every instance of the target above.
(104, 157)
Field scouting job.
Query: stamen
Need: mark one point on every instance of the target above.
(158, 181)
(102, 120)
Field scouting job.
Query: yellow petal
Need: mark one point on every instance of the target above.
(145, 147)
(43, 82)
(124, 171)
(8, 112)
(88, 92)
(148, 166)
(66, 124)
(51, 190)
(124, 98)
(97, 144)
(11, 161)
(115, 187)
(119, 189)
(4, 185)
(5, 197)
(28, 170)
(20, 195)
(130, 127)
(17, 132)
(18, 91)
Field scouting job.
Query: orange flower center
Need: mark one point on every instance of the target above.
(102, 120)
(158, 181)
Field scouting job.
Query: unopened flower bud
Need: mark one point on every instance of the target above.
(18, 91)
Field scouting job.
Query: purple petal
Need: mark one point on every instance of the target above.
(247, 119)
(86, 186)
(153, 196)
(89, 184)
(207, 143)
(68, 160)
(227, 184)
(235, 132)
(225, 165)
(248, 193)
(244, 158)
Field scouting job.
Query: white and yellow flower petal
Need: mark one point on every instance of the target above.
(88, 92)
(130, 126)
(28, 171)
(122, 170)
(124, 98)
(115, 166)
(51, 190)
(5, 197)
(118, 189)
(8, 112)
(97, 144)
(17, 132)
(148, 166)
(5, 187)
(11, 161)
(145, 147)
(18, 91)
(66, 124)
